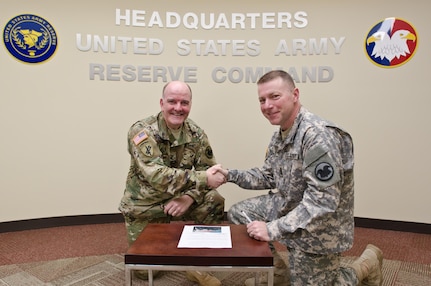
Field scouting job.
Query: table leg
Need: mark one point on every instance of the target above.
(150, 277)
(271, 277)
(128, 276)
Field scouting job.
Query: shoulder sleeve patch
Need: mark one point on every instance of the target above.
(209, 152)
(141, 136)
(324, 171)
(147, 149)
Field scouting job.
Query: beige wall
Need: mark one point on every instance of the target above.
(63, 135)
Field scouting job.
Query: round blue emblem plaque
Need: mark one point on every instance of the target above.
(30, 38)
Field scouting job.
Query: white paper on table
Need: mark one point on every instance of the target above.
(205, 236)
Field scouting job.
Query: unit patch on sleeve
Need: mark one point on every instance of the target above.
(209, 152)
(147, 149)
(324, 171)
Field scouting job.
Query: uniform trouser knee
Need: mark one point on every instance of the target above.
(210, 211)
(234, 214)
(262, 208)
(319, 269)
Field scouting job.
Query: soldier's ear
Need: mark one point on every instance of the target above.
(295, 93)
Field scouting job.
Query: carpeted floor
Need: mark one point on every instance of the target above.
(93, 255)
(108, 270)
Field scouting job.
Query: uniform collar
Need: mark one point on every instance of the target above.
(167, 135)
(290, 137)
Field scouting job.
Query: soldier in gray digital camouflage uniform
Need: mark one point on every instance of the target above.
(310, 162)
(168, 179)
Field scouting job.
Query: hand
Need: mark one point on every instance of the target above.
(257, 230)
(218, 168)
(178, 206)
(216, 176)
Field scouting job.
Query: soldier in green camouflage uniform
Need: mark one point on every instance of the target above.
(167, 179)
(310, 162)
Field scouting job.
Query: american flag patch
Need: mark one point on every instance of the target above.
(140, 137)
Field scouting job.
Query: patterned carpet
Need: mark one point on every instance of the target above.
(108, 270)
(92, 255)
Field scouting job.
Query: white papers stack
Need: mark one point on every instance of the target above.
(204, 236)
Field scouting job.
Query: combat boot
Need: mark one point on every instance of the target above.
(202, 278)
(368, 266)
(281, 274)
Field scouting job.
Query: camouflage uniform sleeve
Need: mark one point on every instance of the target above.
(162, 179)
(322, 174)
(204, 159)
(252, 179)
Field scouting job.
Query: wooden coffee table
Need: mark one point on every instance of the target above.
(156, 249)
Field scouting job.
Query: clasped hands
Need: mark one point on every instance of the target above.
(216, 176)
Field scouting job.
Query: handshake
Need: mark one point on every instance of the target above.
(216, 176)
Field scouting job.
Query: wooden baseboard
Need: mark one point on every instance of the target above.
(118, 218)
(393, 225)
(60, 221)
